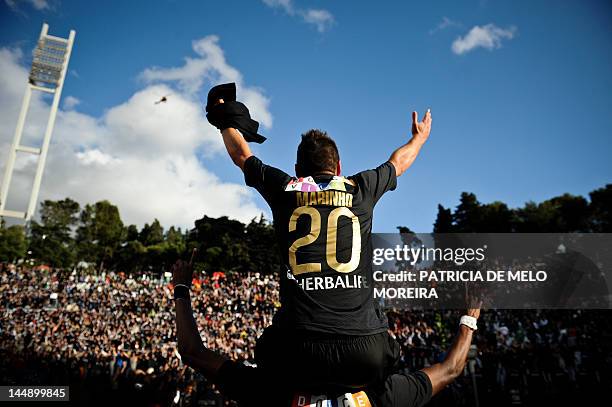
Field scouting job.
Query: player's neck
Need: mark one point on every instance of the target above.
(326, 173)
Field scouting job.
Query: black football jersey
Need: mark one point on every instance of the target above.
(323, 226)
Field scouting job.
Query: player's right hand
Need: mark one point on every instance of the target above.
(182, 273)
(421, 129)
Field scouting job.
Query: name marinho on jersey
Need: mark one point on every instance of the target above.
(332, 193)
(331, 198)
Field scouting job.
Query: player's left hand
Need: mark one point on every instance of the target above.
(182, 273)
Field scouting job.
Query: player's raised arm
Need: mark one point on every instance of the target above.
(403, 157)
(234, 120)
(192, 350)
(442, 374)
(237, 148)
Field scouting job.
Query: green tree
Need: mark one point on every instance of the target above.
(175, 237)
(600, 209)
(262, 250)
(468, 215)
(562, 214)
(175, 245)
(444, 220)
(163, 249)
(13, 242)
(571, 213)
(496, 217)
(131, 233)
(443, 227)
(532, 218)
(100, 232)
(51, 240)
(152, 234)
(221, 244)
(130, 256)
(162, 255)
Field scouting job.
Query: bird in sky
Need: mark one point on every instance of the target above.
(164, 99)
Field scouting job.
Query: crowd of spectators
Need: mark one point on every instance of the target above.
(112, 337)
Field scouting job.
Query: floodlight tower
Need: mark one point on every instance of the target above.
(47, 74)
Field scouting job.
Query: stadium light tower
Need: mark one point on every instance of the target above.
(47, 74)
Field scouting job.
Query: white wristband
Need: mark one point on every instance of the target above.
(468, 321)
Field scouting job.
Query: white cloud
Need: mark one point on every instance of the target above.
(286, 5)
(211, 67)
(40, 4)
(149, 159)
(70, 102)
(444, 24)
(96, 157)
(320, 18)
(176, 126)
(37, 4)
(488, 37)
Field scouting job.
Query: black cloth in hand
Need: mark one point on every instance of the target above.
(225, 91)
(235, 114)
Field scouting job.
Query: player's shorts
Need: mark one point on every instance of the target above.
(313, 361)
(253, 387)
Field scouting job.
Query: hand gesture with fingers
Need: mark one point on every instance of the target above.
(473, 312)
(473, 301)
(182, 273)
(421, 129)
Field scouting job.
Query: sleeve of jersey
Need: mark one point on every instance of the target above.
(408, 390)
(266, 179)
(378, 181)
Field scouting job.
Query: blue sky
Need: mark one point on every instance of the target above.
(526, 117)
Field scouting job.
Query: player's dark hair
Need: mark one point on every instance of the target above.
(316, 154)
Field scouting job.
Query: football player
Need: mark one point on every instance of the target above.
(329, 326)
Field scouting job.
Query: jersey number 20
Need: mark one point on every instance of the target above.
(332, 234)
